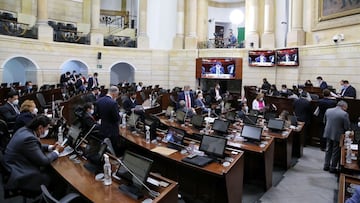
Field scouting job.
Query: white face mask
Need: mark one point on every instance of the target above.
(15, 102)
(261, 99)
(92, 111)
(359, 124)
(45, 133)
(246, 109)
(35, 111)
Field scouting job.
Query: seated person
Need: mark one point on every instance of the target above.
(273, 91)
(28, 111)
(217, 68)
(244, 109)
(10, 110)
(189, 111)
(285, 116)
(259, 103)
(308, 83)
(28, 88)
(347, 90)
(285, 92)
(130, 104)
(199, 102)
(25, 156)
(88, 120)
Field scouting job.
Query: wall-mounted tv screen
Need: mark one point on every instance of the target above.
(287, 57)
(262, 58)
(219, 68)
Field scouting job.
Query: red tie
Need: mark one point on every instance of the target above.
(188, 101)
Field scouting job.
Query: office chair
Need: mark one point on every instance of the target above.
(42, 102)
(48, 198)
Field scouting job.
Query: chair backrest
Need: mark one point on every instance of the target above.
(47, 196)
(41, 100)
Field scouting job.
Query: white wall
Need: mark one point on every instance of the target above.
(110, 5)
(161, 23)
(221, 16)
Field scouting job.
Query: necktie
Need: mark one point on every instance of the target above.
(188, 101)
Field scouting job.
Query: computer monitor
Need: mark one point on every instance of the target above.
(197, 121)
(213, 145)
(269, 115)
(293, 120)
(174, 138)
(140, 166)
(73, 135)
(251, 133)
(230, 116)
(180, 116)
(276, 124)
(220, 126)
(250, 119)
(153, 122)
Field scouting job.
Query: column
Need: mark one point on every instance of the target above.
(96, 37)
(143, 38)
(45, 32)
(178, 41)
(268, 37)
(191, 16)
(296, 36)
(86, 12)
(202, 22)
(252, 36)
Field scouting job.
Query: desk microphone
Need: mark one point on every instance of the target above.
(152, 193)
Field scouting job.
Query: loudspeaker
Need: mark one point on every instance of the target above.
(99, 55)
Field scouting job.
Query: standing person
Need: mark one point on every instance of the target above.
(347, 90)
(322, 83)
(232, 40)
(139, 87)
(215, 93)
(324, 104)
(92, 81)
(199, 103)
(25, 156)
(336, 123)
(108, 111)
(187, 96)
(302, 110)
(64, 79)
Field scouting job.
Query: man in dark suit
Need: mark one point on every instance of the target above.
(324, 104)
(336, 123)
(187, 96)
(92, 82)
(130, 103)
(348, 90)
(215, 93)
(25, 159)
(10, 110)
(64, 78)
(302, 110)
(93, 95)
(217, 68)
(108, 111)
(322, 84)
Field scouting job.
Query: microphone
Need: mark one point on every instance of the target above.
(152, 193)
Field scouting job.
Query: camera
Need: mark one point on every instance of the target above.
(335, 38)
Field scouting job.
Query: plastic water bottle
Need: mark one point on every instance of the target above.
(60, 135)
(123, 121)
(209, 112)
(348, 155)
(147, 134)
(107, 170)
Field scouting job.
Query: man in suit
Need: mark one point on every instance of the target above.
(336, 123)
(322, 84)
(302, 110)
(108, 111)
(215, 93)
(64, 78)
(217, 69)
(93, 95)
(88, 120)
(199, 103)
(92, 81)
(261, 59)
(10, 110)
(25, 156)
(324, 104)
(347, 90)
(187, 96)
(130, 103)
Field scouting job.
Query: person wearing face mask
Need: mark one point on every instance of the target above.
(215, 93)
(107, 110)
(244, 109)
(88, 119)
(27, 159)
(259, 103)
(10, 110)
(347, 90)
(28, 111)
(28, 88)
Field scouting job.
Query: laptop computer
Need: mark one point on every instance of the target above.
(276, 125)
(180, 116)
(230, 116)
(174, 138)
(197, 121)
(250, 119)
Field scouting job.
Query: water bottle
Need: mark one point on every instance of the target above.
(107, 170)
(123, 121)
(209, 112)
(147, 134)
(348, 155)
(60, 135)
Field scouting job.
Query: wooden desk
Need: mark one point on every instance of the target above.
(348, 168)
(84, 182)
(211, 183)
(252, 169)
(283, 147)
(345, 187)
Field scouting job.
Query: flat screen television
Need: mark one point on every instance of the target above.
(219, 68)
(287, 57)
(213, 145)
(262, 58)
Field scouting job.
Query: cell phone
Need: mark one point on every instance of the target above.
(64, 142)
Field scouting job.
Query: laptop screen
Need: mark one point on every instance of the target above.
(175, 136)
(252, 133)
(250, 119)
(213, 145)
(197, 120)
(180, 116)
(221, 126)
(276, 124)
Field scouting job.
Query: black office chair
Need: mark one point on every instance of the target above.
(48, 198)
(42, 102)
